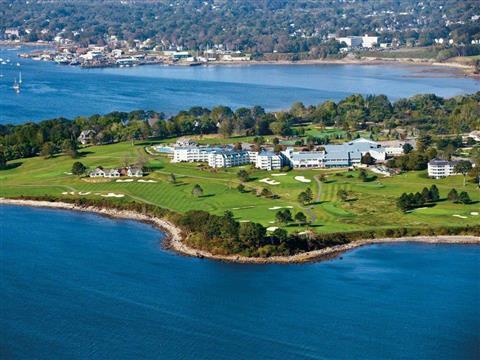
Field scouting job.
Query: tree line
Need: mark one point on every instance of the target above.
(429, 196)
(374, 113)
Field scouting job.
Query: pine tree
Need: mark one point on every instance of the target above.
(453, 195)
(434, 193)
(464, 198)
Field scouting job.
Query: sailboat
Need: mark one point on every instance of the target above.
(16, 86)
(20, 78)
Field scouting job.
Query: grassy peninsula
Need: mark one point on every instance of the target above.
(369, 210)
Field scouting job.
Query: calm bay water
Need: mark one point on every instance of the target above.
(51, 90)
(87, 286)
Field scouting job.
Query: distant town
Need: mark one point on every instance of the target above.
(120, 53)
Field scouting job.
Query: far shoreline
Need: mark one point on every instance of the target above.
(453, 68)
(174, 236)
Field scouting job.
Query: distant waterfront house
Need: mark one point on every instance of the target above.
(86, 136)
(438, 168)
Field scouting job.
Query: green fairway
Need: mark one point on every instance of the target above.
(370, 204)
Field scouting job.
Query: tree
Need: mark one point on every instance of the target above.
(302, 198)
(342, 194)
(78, 168)
(197, 190)
(69, 147)
(363, 175)
(407, 148)
(173, 178)
(283, 216)
(48, 150)
(464, 198)
(403, 202)
(300, 218)
(309, 194)
(367, 159)
(241, 188)
(243, 175)
(434, 193)
(281, 235)
(426, 195)
(453, 196)
(423, 142)
(266, 193)
(225, 128)
(463, 167)
(3, 161)
(251, 234)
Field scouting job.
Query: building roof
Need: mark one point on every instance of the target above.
(441, 162)
(266, 153)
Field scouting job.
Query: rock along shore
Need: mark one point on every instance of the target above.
(175, 236)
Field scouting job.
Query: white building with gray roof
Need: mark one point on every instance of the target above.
(343, 155)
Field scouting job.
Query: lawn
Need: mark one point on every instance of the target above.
(370, 204)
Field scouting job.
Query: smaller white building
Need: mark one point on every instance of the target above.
(98, 172)
(134, 172)
(112, 173)
(438, 169)
(267, 160)
(86, 136)
(228, 158)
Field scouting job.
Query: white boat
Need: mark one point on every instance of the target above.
(18, 64)
(20, 78)
(16, 86)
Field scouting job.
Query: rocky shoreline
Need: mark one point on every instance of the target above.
(174, 236)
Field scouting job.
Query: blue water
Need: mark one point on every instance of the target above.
(87, 286)
(51, 90)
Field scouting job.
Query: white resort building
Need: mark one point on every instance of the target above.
(227, 157)
(343, 155)
(438, 169)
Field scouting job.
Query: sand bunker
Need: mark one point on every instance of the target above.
(302, 179)
(113, 195)
(146, 181)
(474, 213)
(272, 228)
(243, 207)
(126, 180)
(280, 207)
(269, 181)
(460, 216)
(282, 174)
(84, 193)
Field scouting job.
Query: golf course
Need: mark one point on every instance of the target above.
(370, 204)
